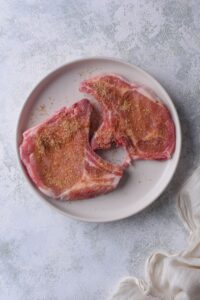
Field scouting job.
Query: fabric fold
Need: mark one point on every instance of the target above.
(172, 277)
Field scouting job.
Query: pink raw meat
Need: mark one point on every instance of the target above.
(60, 161)
(132, 117)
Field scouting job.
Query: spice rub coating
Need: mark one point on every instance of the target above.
(58, 157)
(133, 117)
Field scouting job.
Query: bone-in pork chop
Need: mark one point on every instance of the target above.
(59, 158)
(132, 117)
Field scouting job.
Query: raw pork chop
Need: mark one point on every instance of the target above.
(132, 117)
(59, 159)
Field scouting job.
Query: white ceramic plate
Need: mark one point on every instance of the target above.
(144, 181)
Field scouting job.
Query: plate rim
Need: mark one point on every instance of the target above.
(49, 76)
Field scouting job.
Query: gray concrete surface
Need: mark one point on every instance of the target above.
(43, 255)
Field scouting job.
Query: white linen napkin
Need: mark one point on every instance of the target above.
(172, 277)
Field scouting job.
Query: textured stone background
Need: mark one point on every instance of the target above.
(43, 255)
